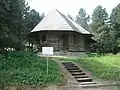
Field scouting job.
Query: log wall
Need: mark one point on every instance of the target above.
(65, 41)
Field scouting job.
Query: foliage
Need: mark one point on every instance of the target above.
(115, 23)
(69, 16)
(21, 68)
(82, 19)
(102, 31)
(15, 24)
(12, 20)
(32, 18)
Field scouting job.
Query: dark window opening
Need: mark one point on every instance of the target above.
(43, 38)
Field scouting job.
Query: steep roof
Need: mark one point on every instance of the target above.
(57, 21)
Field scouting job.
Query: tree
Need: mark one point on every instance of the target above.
(32, 18)
(99, 18)
(82, 19)
(4, 8)
(69, 16)
(15, 22)
(101, 29)
(115, 24)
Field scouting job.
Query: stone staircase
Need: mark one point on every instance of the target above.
(80, 76)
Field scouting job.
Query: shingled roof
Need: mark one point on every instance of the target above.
(56, 21)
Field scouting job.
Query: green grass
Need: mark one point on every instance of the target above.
(21, 68)
(104, 67)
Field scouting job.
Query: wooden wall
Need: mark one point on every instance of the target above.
(65, 41)
(77, 42)
(53, 39)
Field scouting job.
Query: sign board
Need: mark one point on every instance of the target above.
(47, 50)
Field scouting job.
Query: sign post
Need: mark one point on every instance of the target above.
(47, 51)
(47, 65)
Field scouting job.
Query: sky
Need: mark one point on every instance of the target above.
(71, 6)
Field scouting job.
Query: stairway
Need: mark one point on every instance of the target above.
(78, 74)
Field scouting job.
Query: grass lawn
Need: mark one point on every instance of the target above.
(21, 68)
(104, 67)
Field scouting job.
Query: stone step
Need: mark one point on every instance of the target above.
(78, 73)
(84, 79)
(65, 63)
(81, 76)
(99, 85)
(69, 64)
(92, 85)
(87, 83)
(74, 71)
(73, 68)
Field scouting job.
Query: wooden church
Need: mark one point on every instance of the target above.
(64, 35)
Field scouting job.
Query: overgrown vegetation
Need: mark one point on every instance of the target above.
(21, 68)
(103, 67)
